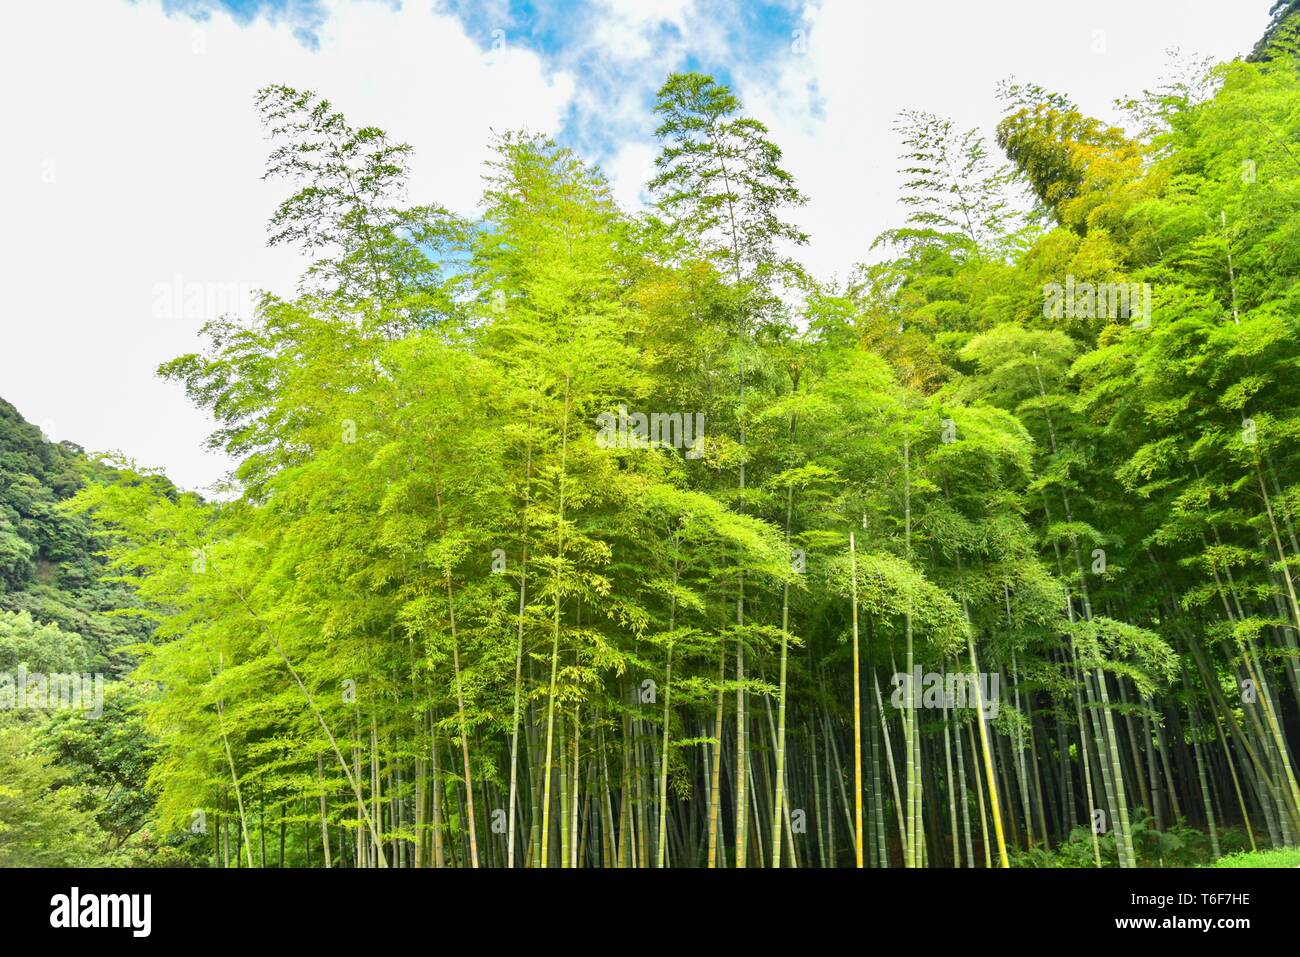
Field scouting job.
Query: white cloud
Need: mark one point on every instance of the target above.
(631, 168)
(870, 60)
(132, 161)
(625, 29)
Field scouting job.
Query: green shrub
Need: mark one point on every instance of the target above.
(1274, 857)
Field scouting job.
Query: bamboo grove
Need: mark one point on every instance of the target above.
(460, 608)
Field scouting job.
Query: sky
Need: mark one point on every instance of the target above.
(132, 208)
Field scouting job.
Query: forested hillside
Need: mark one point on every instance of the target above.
(72, 781)
(576, 536)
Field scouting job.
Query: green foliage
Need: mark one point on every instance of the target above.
(44, 648)
(1277, 857)
(43, 822)
(454, 576)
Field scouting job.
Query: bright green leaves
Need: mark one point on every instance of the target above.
(720, 180)
(365, 249)
(1120, 648)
